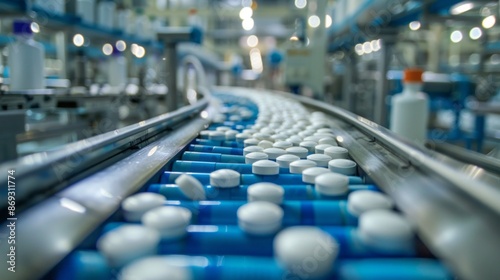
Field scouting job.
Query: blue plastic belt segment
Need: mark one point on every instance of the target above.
(206, 167)
(212, 157)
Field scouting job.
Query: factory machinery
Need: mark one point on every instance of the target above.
(374, 207)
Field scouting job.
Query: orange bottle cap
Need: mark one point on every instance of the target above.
(413, 75)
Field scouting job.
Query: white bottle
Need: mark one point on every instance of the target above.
(86, 10)
(106, 14)
(26, 59)
(117, 70)
(410, 109)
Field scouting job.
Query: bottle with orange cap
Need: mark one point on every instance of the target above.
(410, 109)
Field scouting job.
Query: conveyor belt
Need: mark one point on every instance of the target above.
(447, 217)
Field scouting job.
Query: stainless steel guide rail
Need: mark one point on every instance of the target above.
(454, 213)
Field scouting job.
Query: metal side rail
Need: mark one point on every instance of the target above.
(39, 172)
(48, 231)
(456, 215)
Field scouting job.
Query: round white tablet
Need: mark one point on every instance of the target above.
(169, 221)
(267, 130)
(282, 144)
(262, 136)
(260, 218)
(295, 140)
(225, 178)
(320, 148)
(240, 137)
(325, 130)
(223, 128)
(250, 131)
(252, 149)
(298, 166)
(235, 118)
(273, 153)
(231, 135)
(285, 160)
(217, 136)
(332, 184)
(301, 246)
(265, 144)
(337, 152)
(191, 187)
(265, 167)
(328, 140)
(279, 137)
(310, 174)
(204, 134)
(385, 231)
(266, 192)
(359, 202)
(128, 243)
(298, 151)
(313, 138)
(343, 166)
(250, 142)
(255, 156)
(155, 268)
(136, 205)
(321, 160)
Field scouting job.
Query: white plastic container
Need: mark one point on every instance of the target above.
(106, 14)
(117, 70)
(122, 19)
(410, 109)
(26, 59)
(86, 10)
(53, 6)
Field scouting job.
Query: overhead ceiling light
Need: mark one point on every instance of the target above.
(247, 24)
(328, 21)
(359, 49)
(252, 41)
(456, 36)
(121, 45)
(489, 22)
(107, 49)
(475, 33)
(314, 21)
(78, 40)
(414, 25)
(461, 7)
(301, 4)
(35, 27)
(246, 12)
(367, 47)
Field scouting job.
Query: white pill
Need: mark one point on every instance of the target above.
(240, 137)
(305, 133)
(298, 151)
(267, 130)
(235, 118)
(359, 202)
(128, 243)
(136, 205)
(325, 130)
(332, 184)
(169, 221)
(252, 149)
(296, 247)
(223, 128)
(282, 144)
(217, 136)
(204, 134)
(313, 138)
(262, 136)
(250, 131)
(278, 137)
(295, 140)
(386, 231)
(255, 156)
(273, 153)
(328, 140)
(191, 187)
(250, 142)
(231, 135)
(343, 166)
(265, 144)
(285, 160)
(337, 152)
(297, 167)
(225, 178)
(265, 167)
(321, 160)
(320, 148)
(155, 268)
(260, 218)
(266, 192)
(310, 174)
